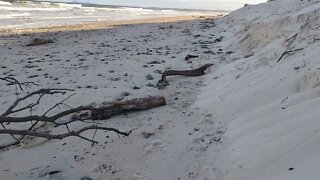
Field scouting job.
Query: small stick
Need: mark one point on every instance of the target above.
(284, 100)
(287, 52)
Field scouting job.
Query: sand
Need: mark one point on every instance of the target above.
(102, 65)
(249, 117)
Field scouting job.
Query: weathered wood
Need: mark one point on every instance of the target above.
(110, 109)
(189, 56)
(89, 112)
(162, 83)
(39, 41)
(288, 52)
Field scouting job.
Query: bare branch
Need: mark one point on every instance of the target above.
(92, 113)
(30, 106)
(14, 81)
(4, 127)
(104, 112)
(61, 136)
(287, 52)
(12, 144)
(43, 118)
(39, 92)
(56, 105)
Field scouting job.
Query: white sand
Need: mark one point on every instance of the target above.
(122, 56)
(270, 110)
(248, 118)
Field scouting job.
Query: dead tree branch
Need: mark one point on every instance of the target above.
(14, 81)
(40, 92)
(162, 83)
(105, 111)
(76, 133)
(17, 142)
(97, 113)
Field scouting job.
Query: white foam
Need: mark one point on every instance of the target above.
(15, 8)
(168, 11)
(3, 3)
(43, 14)
(69, 5)
(128, 9)
(11, 16)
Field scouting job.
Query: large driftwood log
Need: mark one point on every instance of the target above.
(115, 108)
(39, 41)
(162, 83)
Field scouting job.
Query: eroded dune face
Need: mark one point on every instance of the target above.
(270, 109)
(310, 80)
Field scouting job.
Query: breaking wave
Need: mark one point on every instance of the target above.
(38, 14)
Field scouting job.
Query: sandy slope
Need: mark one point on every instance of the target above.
(270, 109)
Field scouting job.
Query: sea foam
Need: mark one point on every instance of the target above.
(41, 14)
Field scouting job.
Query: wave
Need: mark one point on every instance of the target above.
(168, 11)
(12, 16)
(3, 3)
(66, 5)
(135, 9)
(42, 14)
(44, 3)
(11, 8)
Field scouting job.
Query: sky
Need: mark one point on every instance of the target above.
(190, 4)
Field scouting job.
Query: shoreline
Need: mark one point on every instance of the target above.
(101, 25)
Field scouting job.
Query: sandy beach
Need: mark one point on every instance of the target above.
(253, 115)
(105, 64)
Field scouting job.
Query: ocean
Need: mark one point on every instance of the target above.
(29, 14)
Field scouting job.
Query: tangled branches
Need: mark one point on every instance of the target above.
(10, 115)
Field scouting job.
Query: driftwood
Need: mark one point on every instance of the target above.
(162, 83)
(83, 113)
(291, 39)
(288, 52)
(110, 109)
(11, 114)
(39, 41)
(189, 56)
